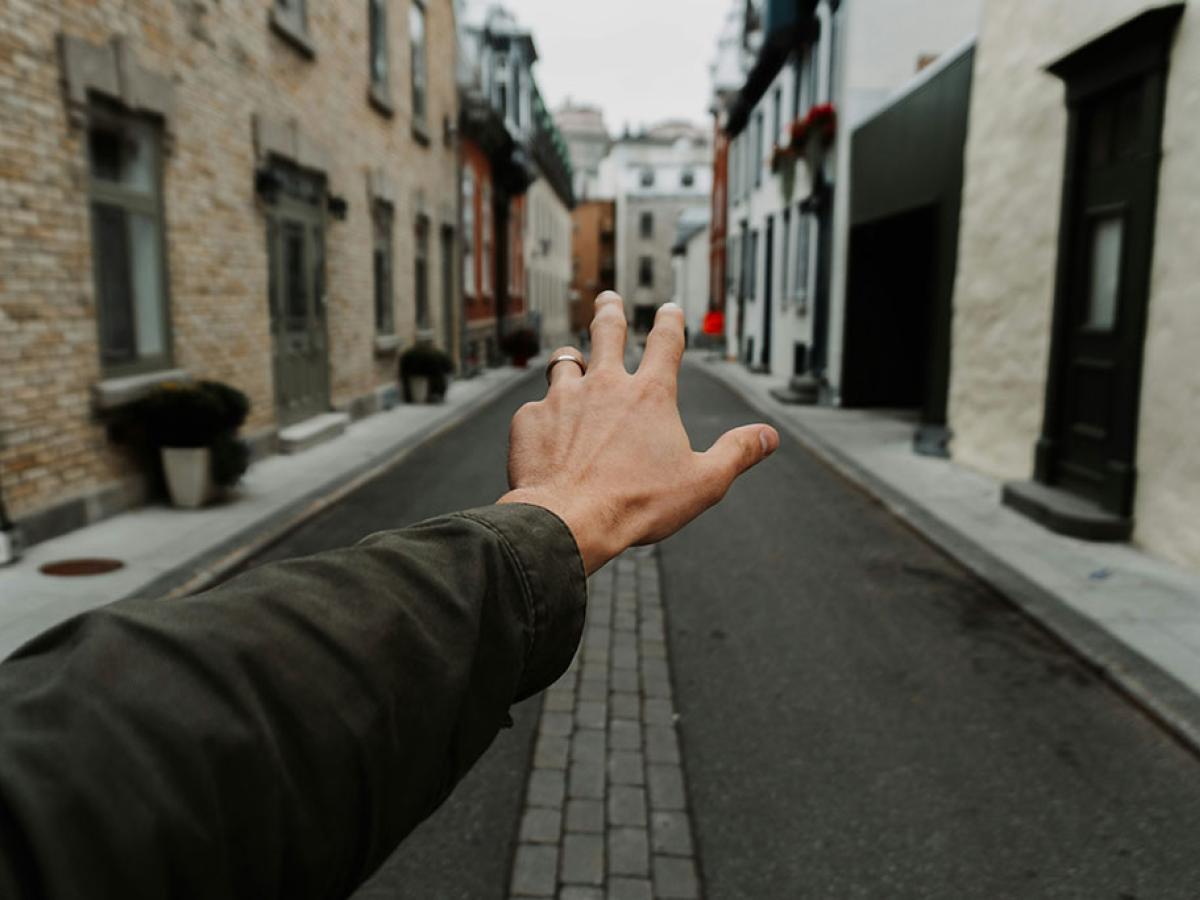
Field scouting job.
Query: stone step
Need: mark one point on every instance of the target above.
(317, 430)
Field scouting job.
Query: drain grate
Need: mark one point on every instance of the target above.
(77, 568)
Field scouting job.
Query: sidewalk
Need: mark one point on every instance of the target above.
(169, 552)
(1136, 618)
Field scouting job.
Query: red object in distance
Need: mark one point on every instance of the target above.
(714, 322)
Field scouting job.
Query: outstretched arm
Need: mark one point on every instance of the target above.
(277, 736)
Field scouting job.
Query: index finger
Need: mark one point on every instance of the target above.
(608, 332)
(664, 346)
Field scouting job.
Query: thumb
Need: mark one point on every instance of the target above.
(738, 450)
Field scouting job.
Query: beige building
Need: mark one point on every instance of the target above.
(1076, 321)
(260, 193)
(548, 261)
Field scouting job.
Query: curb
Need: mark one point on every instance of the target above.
(212, 566)
(1165, 699)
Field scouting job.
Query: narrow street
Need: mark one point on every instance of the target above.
(858, 716)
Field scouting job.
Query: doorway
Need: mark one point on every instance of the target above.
(296, 293)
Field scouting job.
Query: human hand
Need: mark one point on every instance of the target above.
(607, 451)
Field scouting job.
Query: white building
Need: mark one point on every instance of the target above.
(654, 176)
(548, 262)
(583, 128)
(690, 263)
(787, 230)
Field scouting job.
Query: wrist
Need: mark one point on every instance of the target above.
(593, 542)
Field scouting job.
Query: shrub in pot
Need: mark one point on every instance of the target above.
(194, 426)
(424, 371)
(522, 346)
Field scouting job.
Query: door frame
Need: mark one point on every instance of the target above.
(1138, 48)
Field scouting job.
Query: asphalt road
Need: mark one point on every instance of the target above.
(860, 717)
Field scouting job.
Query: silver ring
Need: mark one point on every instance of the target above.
(566, 357)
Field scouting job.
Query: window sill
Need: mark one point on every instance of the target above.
(386, 344)
(381, 99)
(113, 393)
(293, 32)
(420, 132)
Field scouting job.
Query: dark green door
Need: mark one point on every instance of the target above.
(300, 345)
(1106, 275)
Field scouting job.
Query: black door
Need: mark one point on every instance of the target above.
(768, 291)
(1108, 239)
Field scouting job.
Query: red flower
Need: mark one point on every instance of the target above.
(822, 119)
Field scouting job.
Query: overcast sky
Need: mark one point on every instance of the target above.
(640, 60)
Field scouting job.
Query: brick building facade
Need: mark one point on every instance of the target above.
(594, 252)
(180, 184)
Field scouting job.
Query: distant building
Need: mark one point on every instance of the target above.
(654, 176)
(594, 257)
(690, 261)
(548, 237)
(588, 141)
(509, 142)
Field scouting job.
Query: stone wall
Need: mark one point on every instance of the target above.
(226, 65)
(1007, 255)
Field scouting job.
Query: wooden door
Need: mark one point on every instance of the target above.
(1109, 222)
(296, 242)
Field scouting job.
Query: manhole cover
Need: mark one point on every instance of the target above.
(74, 568)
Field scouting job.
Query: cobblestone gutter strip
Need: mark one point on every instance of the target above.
(606, 814)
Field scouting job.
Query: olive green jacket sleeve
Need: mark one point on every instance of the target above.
(277, 736)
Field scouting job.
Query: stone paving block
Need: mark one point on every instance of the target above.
(626, 706)
(675, 878)
(628, 851)
(657, 711)
(583, 859)
(626, 767)
(576, 892)
(586, 816)
(591, 714)
(551, 752)
(535, 870)
(625, 621)
(657, 688)
(595, 671)
(546, 788)
(655, 668)
(625, 641)
(653, 649)
(559, 701)
(625, 734)
(588, 746)
(625, 658)
(666, 787)
(671, 834)
(586, 780)
(629, 889)
(627, 806)
(662, 745)
(556, 724)
(625, 680)
(541, 826)
(593, 689)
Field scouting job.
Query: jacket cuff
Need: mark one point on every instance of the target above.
(553, 580)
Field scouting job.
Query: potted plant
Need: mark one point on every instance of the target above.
(423, 373)
(194, 427)
(522, 345)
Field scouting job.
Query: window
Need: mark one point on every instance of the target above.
(758, 149)
(421, 274)
(776, 114)
(803, 225)
(812, 55)
(647, 178)
(379, 62)
(646, 271)
(127, 243)
(752, 267)
(385, 297)
(785, 248)
(468, 217)
(646, 225)
(732, 264)
(290, 19)
(688, 178)
(486, 251)
(416, 39)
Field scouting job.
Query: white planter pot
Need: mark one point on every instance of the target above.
(418, 388)
(188, 475)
